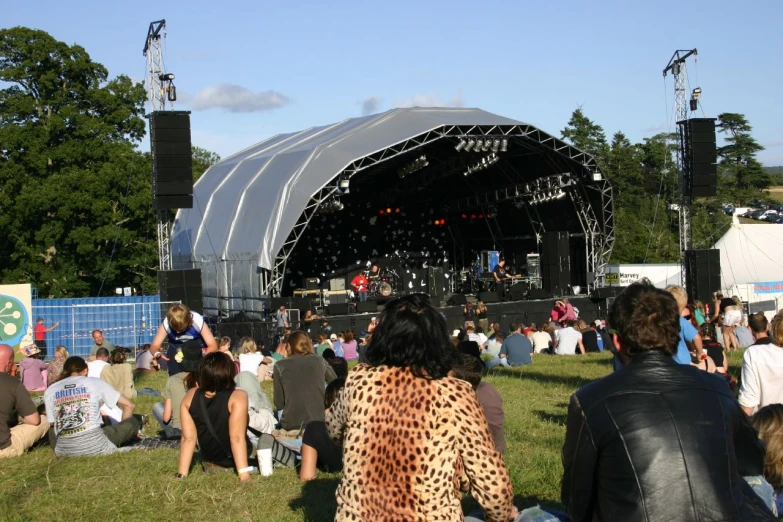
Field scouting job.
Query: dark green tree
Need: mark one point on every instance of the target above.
(76, 210)
(584, 134)
(202, 160)
(738, 157)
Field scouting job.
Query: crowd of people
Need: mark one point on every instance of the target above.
(414, 425)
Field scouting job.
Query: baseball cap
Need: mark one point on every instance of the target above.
(333, 337)
(455, 333)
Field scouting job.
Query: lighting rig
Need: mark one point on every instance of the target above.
(468, 144)
(417, 164)
(484, 163)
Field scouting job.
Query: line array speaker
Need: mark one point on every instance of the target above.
(183, 286)
(556, 262)
(701, 157)
(702, 274)
(172, 160)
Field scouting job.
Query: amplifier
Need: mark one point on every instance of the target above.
(310, 283)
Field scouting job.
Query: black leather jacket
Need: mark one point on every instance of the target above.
(660, 441)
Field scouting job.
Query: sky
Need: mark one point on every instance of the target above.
(250, 70)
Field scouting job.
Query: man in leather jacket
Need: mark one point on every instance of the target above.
(658, 440)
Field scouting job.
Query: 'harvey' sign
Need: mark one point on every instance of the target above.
(768, 288)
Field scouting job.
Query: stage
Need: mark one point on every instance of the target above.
(527, 312)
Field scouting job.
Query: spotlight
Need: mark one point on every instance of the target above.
(460, 145)
(473, 216)
(388, 211)
(470, 145)
(479, 144)
(597, 176)
(495, 146)
(345, 183)
(381, 212)
(560, 195)
(464, 216)
(503, 145)
(442, 221)
(397, 210)
(481, 216)
(166, 77)
(486, 145)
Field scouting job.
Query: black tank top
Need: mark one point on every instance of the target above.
(212, 450)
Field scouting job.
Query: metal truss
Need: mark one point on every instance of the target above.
(164, 239)
(273, 285)
(599, 244)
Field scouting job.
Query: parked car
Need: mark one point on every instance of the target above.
(778, 219)
(756, 214)
(768, 214)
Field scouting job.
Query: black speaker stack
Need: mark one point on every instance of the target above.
(457, 300)
(436, 282)
(183, 286)
(172, 160)
(366, 307)
(702, 274)
(701, 157)
(556, 262)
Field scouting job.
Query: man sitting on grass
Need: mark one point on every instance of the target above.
(658, 440)
(516, 348)
(470, 370)
(15, 402)
(73, 408)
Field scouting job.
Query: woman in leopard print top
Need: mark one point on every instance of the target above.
(413, 437)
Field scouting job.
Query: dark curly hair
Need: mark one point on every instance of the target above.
(412, 334)
(646, 318)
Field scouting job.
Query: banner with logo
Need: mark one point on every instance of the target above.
(774, 287)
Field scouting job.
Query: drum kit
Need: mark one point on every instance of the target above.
(385, 284)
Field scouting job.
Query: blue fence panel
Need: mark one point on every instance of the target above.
(125, 321)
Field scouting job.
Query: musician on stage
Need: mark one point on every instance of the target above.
(359, 284)
(375, 273)
(500, 275)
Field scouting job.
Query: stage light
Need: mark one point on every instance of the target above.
(464, 216)
(473, 216)
(503, 145)
(486, 145)
(437, 222)
(166, 77)
(442, 221)
(345, 183)
(381, 212)
(479, 144)
(597, 176)
(495, 146)
(561, 195)
(388, 211)
(397, 210)
(460, 145)
(469, 145)
(481, 216)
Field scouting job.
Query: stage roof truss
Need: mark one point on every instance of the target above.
(517, 135)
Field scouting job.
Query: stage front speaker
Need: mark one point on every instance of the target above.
(277, 302)
(540, 293)
(301, 303)
(183, 286)
(339, 309)
(457, 300)
(702, 274)
(172, 160)
(519, 291)
(490, 297)
(556, 262)
(367, 307)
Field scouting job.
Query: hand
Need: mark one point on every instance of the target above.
(244, 477)
(514, 513)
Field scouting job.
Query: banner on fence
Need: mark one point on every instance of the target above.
(16, 315)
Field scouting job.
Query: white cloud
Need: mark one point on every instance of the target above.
(370, 105)
(235, 98)
(431, 100)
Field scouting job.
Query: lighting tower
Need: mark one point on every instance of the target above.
(161, 93)
(678, 69)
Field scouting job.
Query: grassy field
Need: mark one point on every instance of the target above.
(776, 193)
(140, 486)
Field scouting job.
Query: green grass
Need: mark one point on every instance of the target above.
(140, 486)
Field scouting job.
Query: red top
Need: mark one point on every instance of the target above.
(359, 283)
(40, 332)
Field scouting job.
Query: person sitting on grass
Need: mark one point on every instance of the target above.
(73, 406)
(658, 440)
(98, 363)
(15, 403)
(214, 414)
(119, 375)
(55, 367)
(323, 344)
(338, 364)
(713, 349)
(319, 451)
(299, 383)
(470, 370)
(32, 370)
(769, 423)
(167, 413)
(412, 436)
(250, 358)
(516, 349)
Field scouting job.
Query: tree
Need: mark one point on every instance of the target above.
(738, 156)
(202, 160)
(76, 207)
(585, 135)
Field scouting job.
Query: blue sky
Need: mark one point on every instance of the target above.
(250, 70)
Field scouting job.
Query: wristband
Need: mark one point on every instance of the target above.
(180, 476)
(248, 469)
(703, 356)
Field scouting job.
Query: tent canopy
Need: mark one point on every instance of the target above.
(751, 254)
